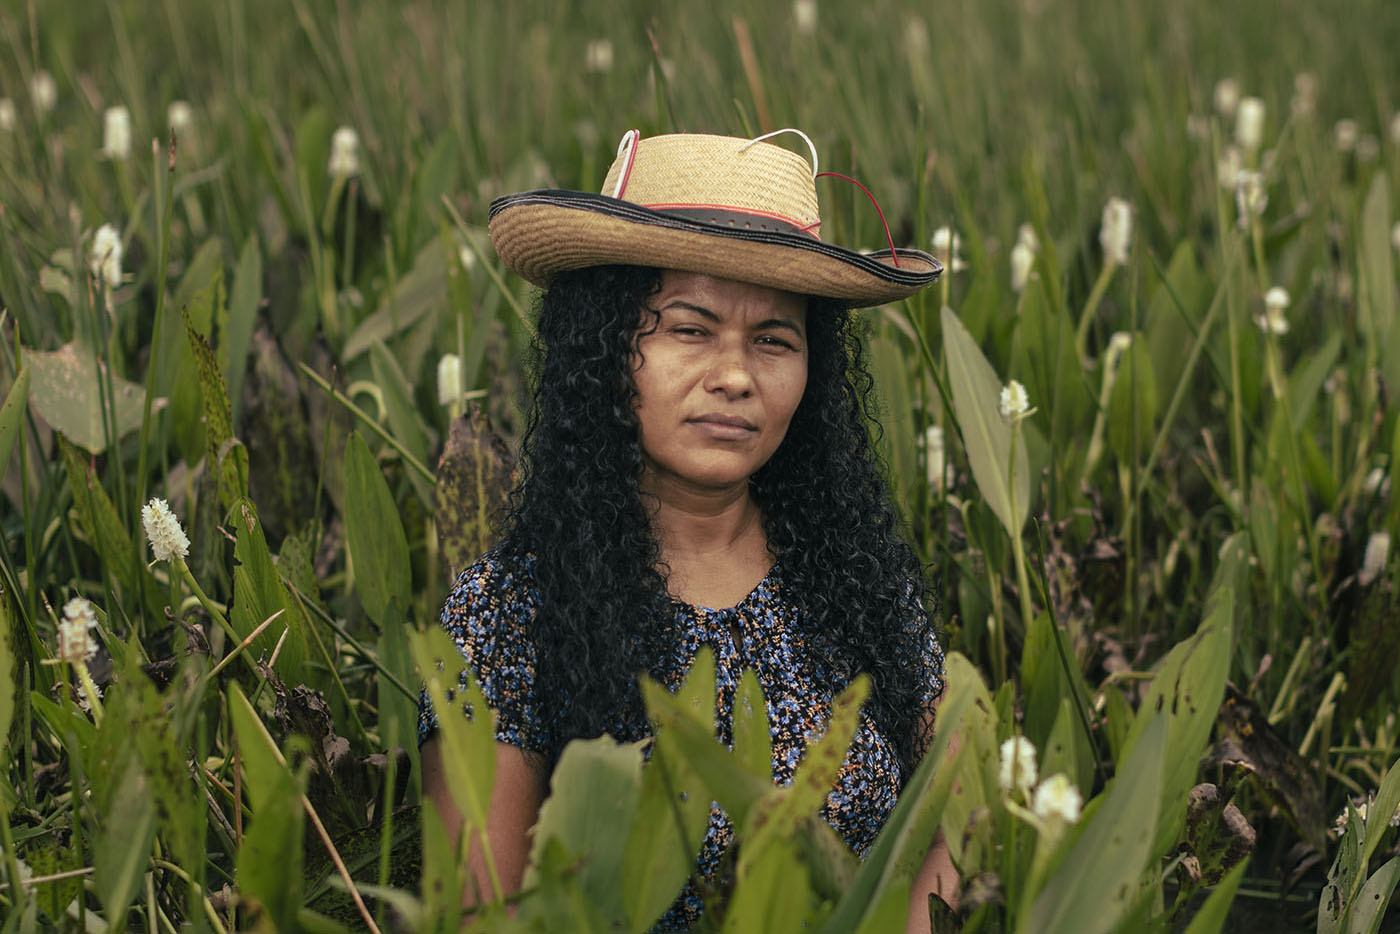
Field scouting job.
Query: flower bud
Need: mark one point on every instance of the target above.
(1251, 197)
(179, 116)
(1022, 262)
(449, 379)
(1273, 320)
(1376, 558)
(8, 117)
(116, 133)
(1116, 231)
(43, 91)
(345, 153)
(1249, 124)
(804, 16)
(598, 56)
(105, 257)
(1227, 97)
(1058, 798)
(946, 244)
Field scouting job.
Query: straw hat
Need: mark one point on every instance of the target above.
(735, 208)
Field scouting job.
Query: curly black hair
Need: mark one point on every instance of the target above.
(579, 511)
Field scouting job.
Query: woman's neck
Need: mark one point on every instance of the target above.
(712, 541)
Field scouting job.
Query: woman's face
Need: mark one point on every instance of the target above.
(718, 379)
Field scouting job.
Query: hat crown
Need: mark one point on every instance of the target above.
(699, 170)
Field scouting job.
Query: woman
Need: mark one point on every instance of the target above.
(697, 470)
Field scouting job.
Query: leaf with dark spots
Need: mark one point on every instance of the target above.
(275, 427)
(474, 476)
(1249, 742)
(337, 779)
(229, 461)
(1217, 834)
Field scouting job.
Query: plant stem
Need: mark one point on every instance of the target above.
(1086, 319)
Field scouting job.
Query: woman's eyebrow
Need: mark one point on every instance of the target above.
(700, 310)
(779, 323)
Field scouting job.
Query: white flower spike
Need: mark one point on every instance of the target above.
(43, 91)
(345, 153)
(75, 642)
(804, 16)
(598, 56)
(946, 244)
(180, 117)
(1251, 197)
(1017, 765)
(1015, 404)
(105, 257)
(1227, 97)
(1116, 231)
(116, 133)
(163, 531)
(1249, 124)
(1229, 166)
(449, 378)
(1273, 320)
(1022, 262)
(1057, 798)
(933, 450)
(1377, 556)
(8, 116)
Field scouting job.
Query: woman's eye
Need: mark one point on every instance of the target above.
(771, 341)
(686, 330)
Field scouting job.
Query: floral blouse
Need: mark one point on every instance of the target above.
(487, 615)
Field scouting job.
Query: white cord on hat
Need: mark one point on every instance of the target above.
(627, 145)
(805, 138)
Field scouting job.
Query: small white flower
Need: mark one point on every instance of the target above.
(1118, 345)
(8, 117)
(116, 133)
(946, 244)
(1057, 797)
(1251, 197)
(1116, 231)
(598, 56)
(163, 531)
(1022, 262)
(1017, 765)
(83, 701)
(1377, 555)
(1227, 97)
(1273, 320)
(179, 116)
(466, 257)
(1015, 404)
(345, 153)
(75, 642)
(1249, 123)
(449, 379)
(105, 257)
(43, 91)
(1374, 479)
(1228, 167)
(1344, 134)
(915, 37)
(1026, 234)
(937, 465)
(1304, 94)
(804, 16)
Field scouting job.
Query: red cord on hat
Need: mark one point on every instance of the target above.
(893, 255)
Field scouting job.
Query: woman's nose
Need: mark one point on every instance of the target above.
(729, 373)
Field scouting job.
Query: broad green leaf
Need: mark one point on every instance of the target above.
(1382, 809)
(1175, 302)
(592, 801)
(405, 423)
(11, 682)
(1377, 270)
(1097, 882)
(1306, 381)
(772, 894)
(899, 850)
(1132, 406)
(226, 453)
(1210, 917)
(444, 875)
(1187, 691)
(186, 391)
(422, 289)
(468, 742)
(752, 746)
(1066, 750)
(1368, 910)
(243, 305)
(672, 812)
(12, 417)
(67, 389)
(270, 860)
(1344, 877)
(1050, 673)
(398, 715)
(258, 593)
(374, 533)
(978, 762)
(123, 847)
(986, 437)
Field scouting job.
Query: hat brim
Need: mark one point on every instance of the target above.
(540, 234)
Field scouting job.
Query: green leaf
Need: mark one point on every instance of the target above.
(468, 742)
(243, 305)
(123, 847)
(405, 423)
(772, 894)
(1050, 673)
(258, 593)
(986, 437)
(374, 533)
(11, 681)
(1368, 910)
(66, 389)
(1343, 878)
(186, 390)
(1380, 812)
(472, 482)
(1377, 273)
(1097, 882)
(892, 379)
(270, 860)
(1210, 917)
(672, 812)
(752, 745)
(1132, 406)
(226, 454)
(1187, 691)
(12, 417)
(423, 289)
(444, 875)
(592, 801)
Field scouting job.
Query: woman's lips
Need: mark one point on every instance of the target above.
(724, 427)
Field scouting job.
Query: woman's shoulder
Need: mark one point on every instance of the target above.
(497, 589)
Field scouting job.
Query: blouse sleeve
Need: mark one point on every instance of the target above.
(930, 652)
(487, 615)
